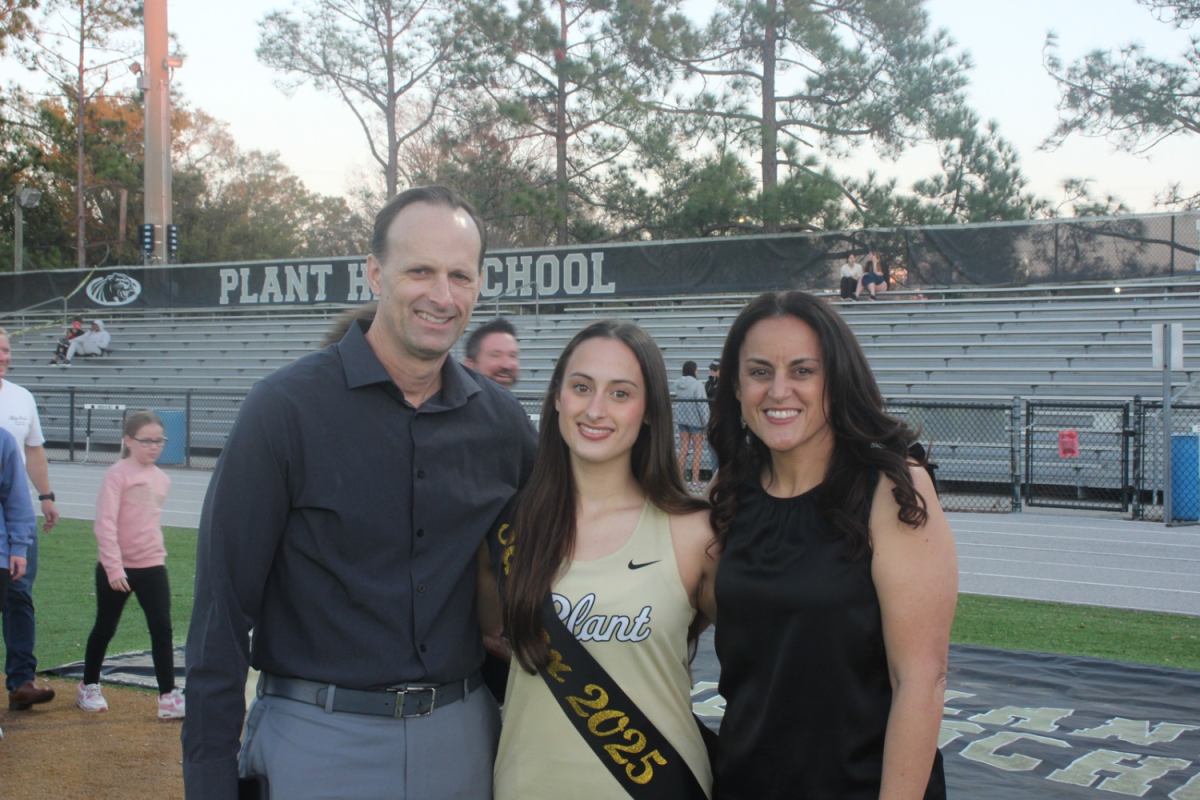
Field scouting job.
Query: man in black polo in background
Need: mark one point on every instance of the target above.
(342, 524)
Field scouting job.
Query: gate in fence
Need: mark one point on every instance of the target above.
(1077, 455)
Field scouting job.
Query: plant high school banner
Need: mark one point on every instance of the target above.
(964, 255)
(1032, 726)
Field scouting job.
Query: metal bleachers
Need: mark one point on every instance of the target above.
(1076, 341)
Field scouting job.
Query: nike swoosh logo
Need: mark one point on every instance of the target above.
(639, 566)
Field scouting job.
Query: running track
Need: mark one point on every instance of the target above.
(1069, 558)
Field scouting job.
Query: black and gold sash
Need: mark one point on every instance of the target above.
(615, 729)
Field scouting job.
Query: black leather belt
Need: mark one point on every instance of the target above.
(408, 700)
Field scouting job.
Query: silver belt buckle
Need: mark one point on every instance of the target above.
(401, 693)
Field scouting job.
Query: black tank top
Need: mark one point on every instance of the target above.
(803, 668)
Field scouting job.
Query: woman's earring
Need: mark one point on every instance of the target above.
(743, 421)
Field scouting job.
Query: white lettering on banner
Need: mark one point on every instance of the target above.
(244, 280)
(520, 276)
(1136, 731)
(1131, 780)
(575, 265)
(271, 287)
(229, 282)
(246, 296)
(489, 289)
(601, 627)
(360, 287)
(297, 283)
(984, 751)
(598, 284)
(547, 275)
(1033, 719)
(322, 271)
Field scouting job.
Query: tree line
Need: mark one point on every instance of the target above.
(562, 121)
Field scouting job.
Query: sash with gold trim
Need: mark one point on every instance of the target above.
(614, 728)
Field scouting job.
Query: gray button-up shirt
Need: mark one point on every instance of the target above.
(341, 524)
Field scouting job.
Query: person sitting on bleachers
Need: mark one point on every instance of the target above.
(73, 332)
(850, 274)
(93, 343)
(873, 280)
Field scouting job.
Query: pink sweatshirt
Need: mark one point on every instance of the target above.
(127, 517)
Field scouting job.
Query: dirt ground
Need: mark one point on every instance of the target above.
(56, 751)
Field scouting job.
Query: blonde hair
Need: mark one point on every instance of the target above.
(135, 422)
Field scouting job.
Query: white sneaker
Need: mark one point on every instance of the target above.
(170, 705)
(89, 697)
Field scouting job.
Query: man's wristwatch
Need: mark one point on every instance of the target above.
(49, 496)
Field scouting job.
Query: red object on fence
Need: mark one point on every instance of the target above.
(1068, 444)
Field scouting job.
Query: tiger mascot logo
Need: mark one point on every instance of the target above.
(116, 289)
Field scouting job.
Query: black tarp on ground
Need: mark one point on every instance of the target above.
(124, 669)
(1033, 725)
(1016, 725)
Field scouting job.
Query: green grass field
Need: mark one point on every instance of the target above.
(65, 593)
(66, 608)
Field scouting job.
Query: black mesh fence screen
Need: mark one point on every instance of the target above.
(988, 254)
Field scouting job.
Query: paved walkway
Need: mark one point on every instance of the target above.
(1071, 559)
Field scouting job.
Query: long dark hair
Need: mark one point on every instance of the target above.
(865, 438)
(544, 523)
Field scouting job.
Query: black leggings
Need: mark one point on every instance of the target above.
(154, 595)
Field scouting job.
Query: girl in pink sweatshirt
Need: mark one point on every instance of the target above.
(133, 559)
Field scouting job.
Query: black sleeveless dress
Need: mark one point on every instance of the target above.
(803, 668)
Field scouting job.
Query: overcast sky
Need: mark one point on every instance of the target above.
(320, 140)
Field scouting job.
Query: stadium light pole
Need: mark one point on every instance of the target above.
(24, 198)
(155, 81)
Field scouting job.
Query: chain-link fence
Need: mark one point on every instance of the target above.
(1106, 456)
(1150, 478)
(84, 426)
(975, 448)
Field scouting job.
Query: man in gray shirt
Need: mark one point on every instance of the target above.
(342, 524)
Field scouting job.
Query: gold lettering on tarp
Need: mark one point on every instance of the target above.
(985, 751)
(951, 694)
(1189, 791)
(1136, 731)
(1044, 720)
(954, 729)
(713, 706)
(1131, 780)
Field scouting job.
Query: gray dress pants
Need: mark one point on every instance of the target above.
(306, 752)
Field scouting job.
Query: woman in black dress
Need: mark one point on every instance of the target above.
(838, 577)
